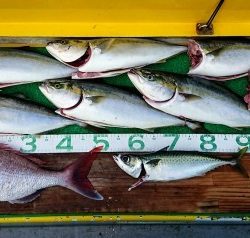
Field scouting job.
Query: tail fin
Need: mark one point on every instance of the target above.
(241, 153)
(76, 173)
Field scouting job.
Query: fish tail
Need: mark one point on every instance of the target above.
(238, 160)
(75, 175)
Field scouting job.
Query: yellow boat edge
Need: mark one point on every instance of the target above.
(117, 218)
(130, 18)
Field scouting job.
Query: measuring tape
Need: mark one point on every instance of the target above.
(126, 142)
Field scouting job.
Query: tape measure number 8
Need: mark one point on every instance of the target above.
(208, 143)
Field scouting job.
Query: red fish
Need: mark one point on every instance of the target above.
(22, 179)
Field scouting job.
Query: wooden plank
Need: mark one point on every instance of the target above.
(222, 190)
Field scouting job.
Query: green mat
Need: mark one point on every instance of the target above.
(177, 64)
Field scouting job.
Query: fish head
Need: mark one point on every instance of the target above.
(153, 85)
(130, 164)
(63, 94)
(71, 52)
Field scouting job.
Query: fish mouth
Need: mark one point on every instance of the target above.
(44, 87)
(195, 53)
(136, 79)
(135, 76)
(82, 60)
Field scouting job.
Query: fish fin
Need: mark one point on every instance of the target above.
(190, 97)
(153, 162)
(195, 126)
(161, 61)
(92, 75)
(76, 175)
(96, 99)
(238, 128)
(35, 160)
(28, 198)
(149, 129)
(78, 122)
(138, 183)
(97, 124)
(238, 159)
(219, 78)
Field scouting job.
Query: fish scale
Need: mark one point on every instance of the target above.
(187, 165)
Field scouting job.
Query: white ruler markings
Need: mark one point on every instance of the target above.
(126, 142)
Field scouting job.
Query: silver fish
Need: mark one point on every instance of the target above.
(105, 106)
(106, 57)
(19, 116)
(193, 98)
(22, 180)
(18, 67)
(171, 166)
(221, 63)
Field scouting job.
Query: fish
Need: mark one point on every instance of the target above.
(20, 67)
(171, 166)
(22, 179)
(105, 57)
(191, 98)
(19, 116)
(218, 62)
(105, 106)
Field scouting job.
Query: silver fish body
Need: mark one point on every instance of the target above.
(105, 106)
(170, 166)
(18, 66)
(19, 116)
(21, 179)
(193, 98)
(109, 56)
(228, 62)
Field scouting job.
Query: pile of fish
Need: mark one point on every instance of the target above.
(163, 99)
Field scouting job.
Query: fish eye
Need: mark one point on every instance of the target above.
(63, 42)
(150, 77)
(58, 86)
(125, 159)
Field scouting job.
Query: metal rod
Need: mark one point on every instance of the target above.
(209, 22)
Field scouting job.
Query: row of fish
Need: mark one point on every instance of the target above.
(104, 57)
(168, 100)
(21, 169)
(179, 100)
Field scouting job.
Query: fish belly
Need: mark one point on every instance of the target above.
(28, 122)
(178, 170)
(118, 113)
(210, 111)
